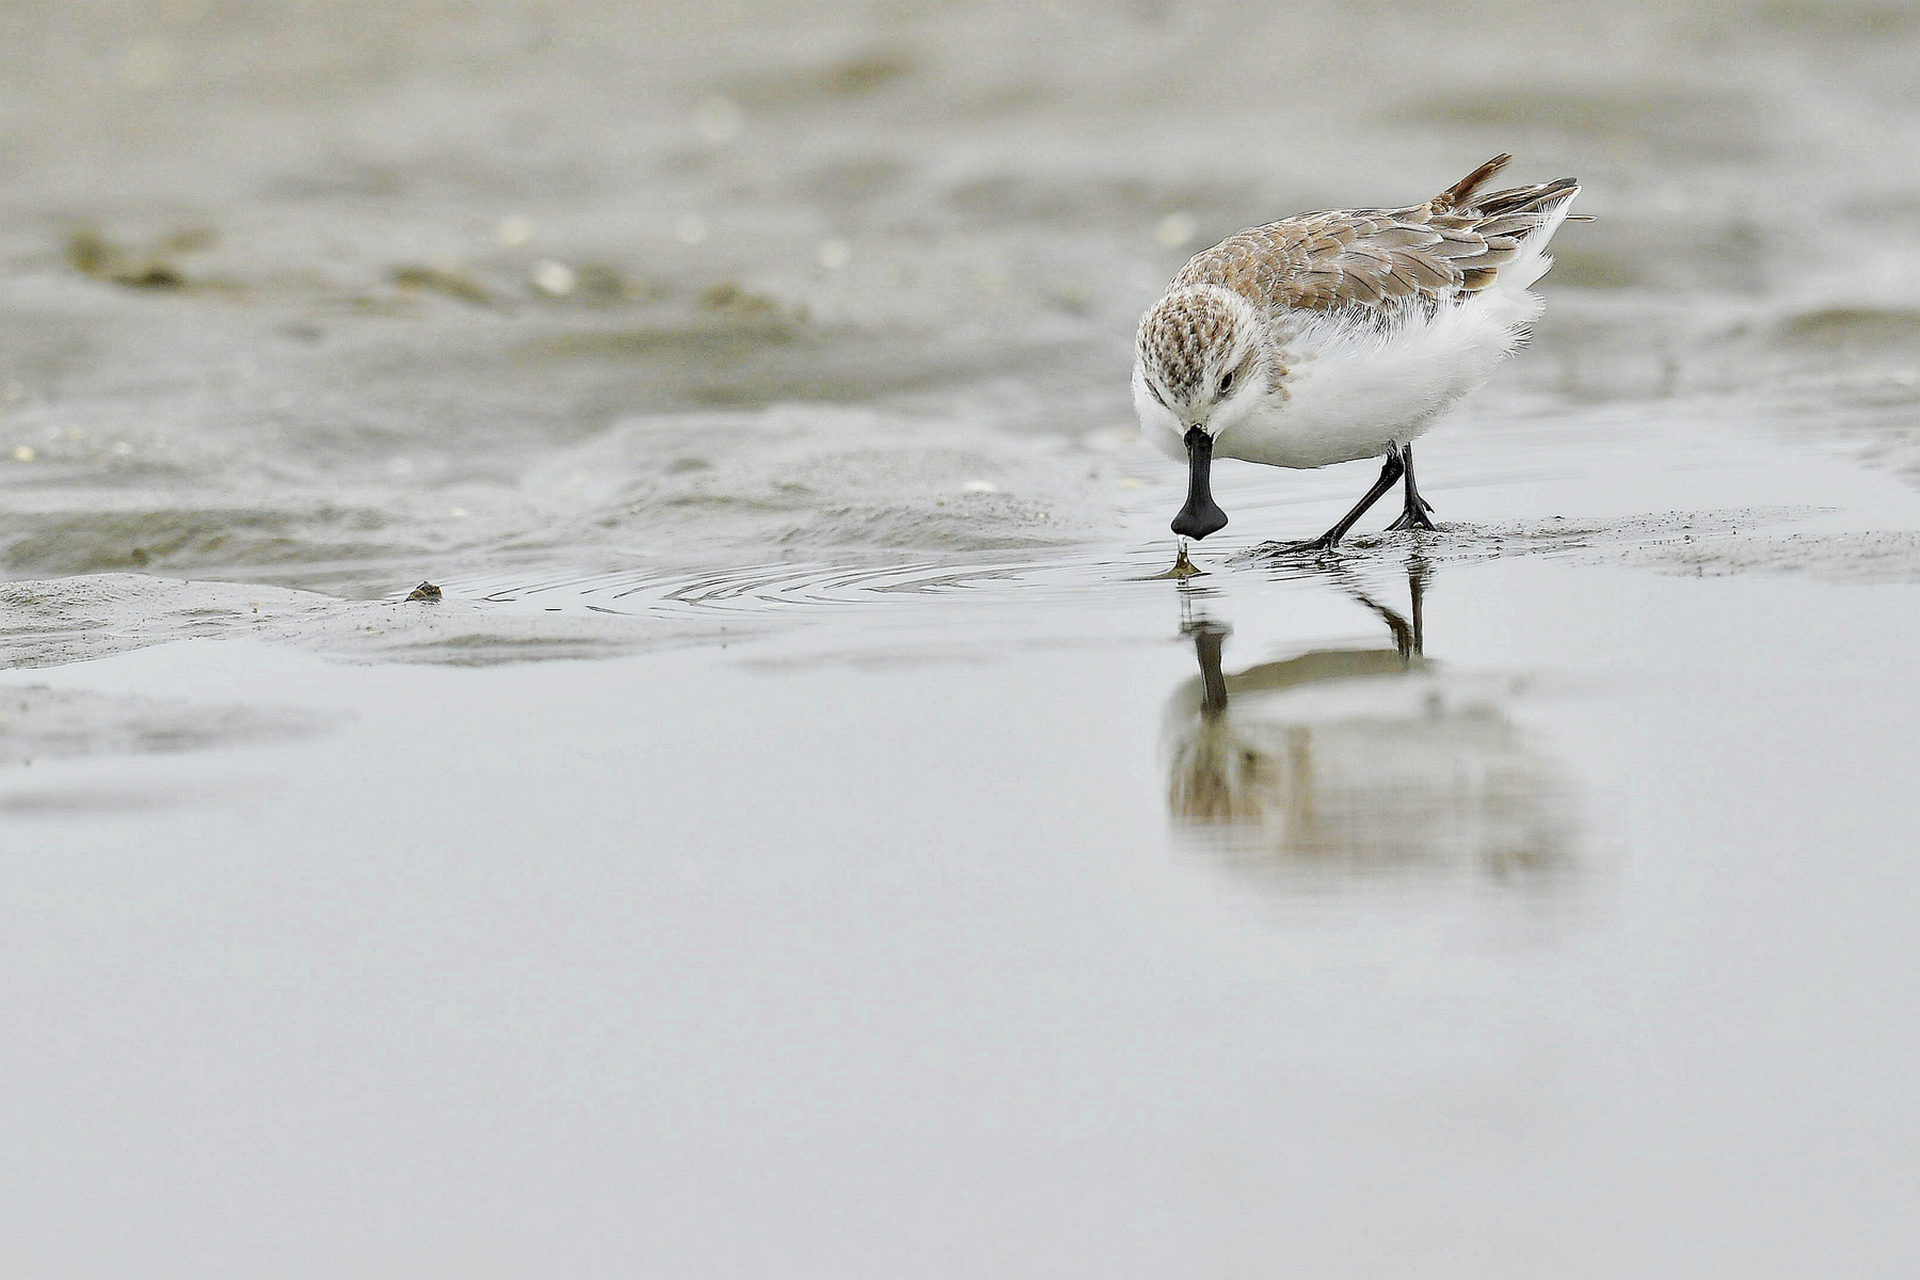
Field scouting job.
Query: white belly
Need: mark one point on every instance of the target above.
(1351, 391)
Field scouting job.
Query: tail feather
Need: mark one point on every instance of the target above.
(1535, 199)
(1514, 225)
(1542, 218)
(1457, 196)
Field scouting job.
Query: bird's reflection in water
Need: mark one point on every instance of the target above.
(1363, 761)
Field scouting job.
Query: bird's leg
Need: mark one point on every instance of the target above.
(1208, 637)
(1418, 571)
(1406, 639)
(1414, 516)
(1388, 475)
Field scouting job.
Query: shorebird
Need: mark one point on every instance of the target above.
(1329, 337)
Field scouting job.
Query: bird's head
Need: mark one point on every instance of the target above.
(1199, 369)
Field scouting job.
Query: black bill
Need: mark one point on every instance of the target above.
(1200, 516)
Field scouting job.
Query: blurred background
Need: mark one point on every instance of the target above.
(335, 294)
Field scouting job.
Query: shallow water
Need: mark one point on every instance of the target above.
(807, 837)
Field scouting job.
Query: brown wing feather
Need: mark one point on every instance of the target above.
(1460, 193)
(1446, 249)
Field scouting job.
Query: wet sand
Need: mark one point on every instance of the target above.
(806, 837)
(944, 928)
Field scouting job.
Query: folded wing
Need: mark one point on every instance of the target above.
(1444, 250)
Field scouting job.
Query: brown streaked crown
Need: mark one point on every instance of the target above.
(1176, 337)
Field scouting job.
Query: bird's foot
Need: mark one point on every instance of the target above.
(1414, 517)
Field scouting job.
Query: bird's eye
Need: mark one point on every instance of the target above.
(1226, 382)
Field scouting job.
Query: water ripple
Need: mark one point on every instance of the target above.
(760, 589)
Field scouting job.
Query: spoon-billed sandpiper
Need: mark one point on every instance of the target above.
(1329, 337)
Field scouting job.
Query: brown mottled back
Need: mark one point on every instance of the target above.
(1446, 249)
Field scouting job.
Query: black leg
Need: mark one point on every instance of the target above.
(1418, 571)
(1389, 474)
(1406, 639)
(1208, 637)
(1414, 516)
